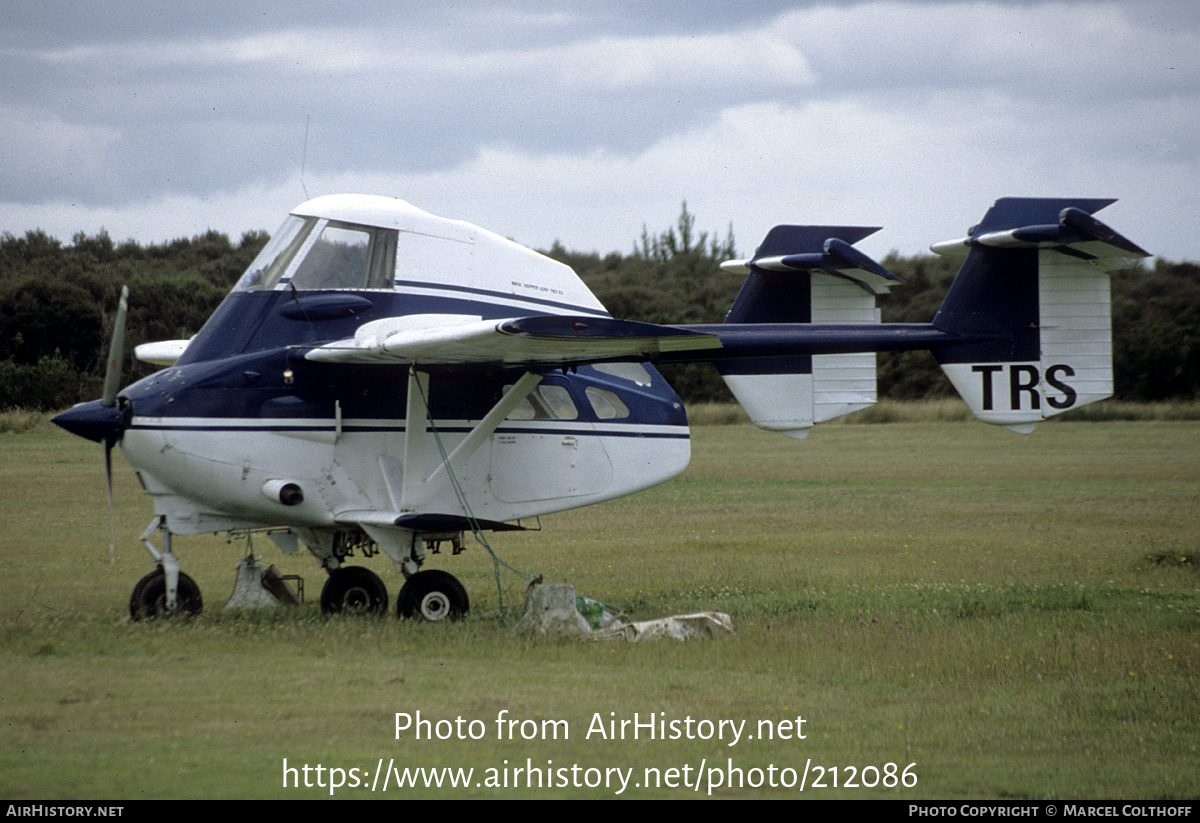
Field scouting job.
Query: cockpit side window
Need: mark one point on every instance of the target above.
(337, 260)
(308, 253)
(381, 267)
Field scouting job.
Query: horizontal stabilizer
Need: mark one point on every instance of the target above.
(1058, 225)
(824, 249)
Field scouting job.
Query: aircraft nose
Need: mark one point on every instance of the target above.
(95, 421)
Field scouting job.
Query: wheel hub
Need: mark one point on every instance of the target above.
(435, 606)
(356, 601)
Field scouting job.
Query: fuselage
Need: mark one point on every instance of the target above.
(243, 408)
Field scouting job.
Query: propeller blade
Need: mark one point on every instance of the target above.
(116, 353)
(112, 524)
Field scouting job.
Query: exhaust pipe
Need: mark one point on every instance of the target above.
(283, 491)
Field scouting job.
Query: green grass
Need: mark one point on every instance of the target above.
(1019, 617)
(952, 410)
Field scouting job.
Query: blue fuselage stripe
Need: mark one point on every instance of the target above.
(491, 295)
(400, 429)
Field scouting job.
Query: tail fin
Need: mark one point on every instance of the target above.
(1035, 287)
(806, 274)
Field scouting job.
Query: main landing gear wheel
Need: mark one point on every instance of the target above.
(354, 590)
(149, 598)
(432, 596)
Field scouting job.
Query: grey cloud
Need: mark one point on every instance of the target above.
(108, 108)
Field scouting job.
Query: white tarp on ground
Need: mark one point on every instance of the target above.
(552, 610)
(678, 627)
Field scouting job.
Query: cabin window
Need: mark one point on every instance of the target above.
(633, 372)
(545, 403)
(605, 404)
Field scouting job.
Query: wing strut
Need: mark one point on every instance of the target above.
(398, 532)
(418, 487)
(411, 484)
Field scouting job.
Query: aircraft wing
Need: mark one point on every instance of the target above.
(553, 340)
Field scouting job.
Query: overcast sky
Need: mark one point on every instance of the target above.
(585, 121)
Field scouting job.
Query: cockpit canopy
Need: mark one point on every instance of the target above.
(355, 242)
(349, 260)
(311, 253)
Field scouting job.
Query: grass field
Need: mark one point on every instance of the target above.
(1015, 617)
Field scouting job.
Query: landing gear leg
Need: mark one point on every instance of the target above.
(416, 557)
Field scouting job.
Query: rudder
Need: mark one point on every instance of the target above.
(806, 274)
(1033, 297)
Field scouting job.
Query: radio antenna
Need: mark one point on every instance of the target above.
(304, 157)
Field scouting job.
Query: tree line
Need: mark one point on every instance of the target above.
(57, 303)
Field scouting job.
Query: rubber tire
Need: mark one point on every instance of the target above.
(432, 596)
(354, 590)
(149, 597)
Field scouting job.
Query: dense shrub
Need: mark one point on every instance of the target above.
(57, 302)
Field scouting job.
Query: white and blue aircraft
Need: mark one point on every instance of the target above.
(384, 379)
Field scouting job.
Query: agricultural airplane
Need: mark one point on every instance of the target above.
(384, 379)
